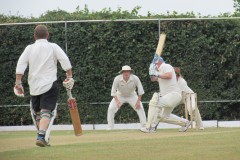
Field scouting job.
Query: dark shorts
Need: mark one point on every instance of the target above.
(46, 100)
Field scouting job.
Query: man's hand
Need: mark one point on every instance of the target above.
(153, 70)
(68, 83)
(18, 90)
(138, 104)
(117, 101)
(119, 104)
(154, 78)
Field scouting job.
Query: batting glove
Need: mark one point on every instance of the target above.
(152, 70)
(68, 83)
(18, 90)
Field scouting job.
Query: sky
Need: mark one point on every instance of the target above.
(35, 8)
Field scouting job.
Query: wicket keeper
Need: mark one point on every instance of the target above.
(124, 91)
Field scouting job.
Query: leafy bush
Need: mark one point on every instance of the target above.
(206, 50)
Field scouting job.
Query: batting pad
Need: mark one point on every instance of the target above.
(172, 119)
(33, 114)
(152, 110)
(54, 114)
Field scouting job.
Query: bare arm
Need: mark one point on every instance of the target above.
(114, 87)
(167, 75)
(69, 73)
(116, 98)
(117, 101)
(139, 97)
(18, 79)
(138, 104)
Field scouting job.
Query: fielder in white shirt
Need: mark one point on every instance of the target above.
(185, 90)
(124, 91)
(41, 57)
(162, 104)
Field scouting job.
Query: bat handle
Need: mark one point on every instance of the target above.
(69, 93)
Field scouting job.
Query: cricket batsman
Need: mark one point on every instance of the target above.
(163, 103)
(41, 57)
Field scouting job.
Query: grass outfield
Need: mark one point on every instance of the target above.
(166, 144)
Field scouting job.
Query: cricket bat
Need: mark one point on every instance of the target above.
(161, 43)
(74, 114)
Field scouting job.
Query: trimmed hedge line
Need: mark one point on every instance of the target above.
(206, 50)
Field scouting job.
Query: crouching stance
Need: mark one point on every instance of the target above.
(189, 97)
(161, 105)
(123, 91)
(42, 57)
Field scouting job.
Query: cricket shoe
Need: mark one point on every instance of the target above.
(201, 128)
(41, 142)
(184, 128)
(148, 130)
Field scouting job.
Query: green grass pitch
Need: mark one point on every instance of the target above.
(166, 144)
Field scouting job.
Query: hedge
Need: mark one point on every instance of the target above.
(205, 50)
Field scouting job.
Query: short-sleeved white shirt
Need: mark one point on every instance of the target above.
(167, 85)
(41, 57)
(123, 88)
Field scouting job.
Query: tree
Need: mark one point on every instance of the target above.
(236, 5)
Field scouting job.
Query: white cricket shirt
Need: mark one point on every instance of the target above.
(183, 85)
(168, 85)
(42, 57)
(123, 88)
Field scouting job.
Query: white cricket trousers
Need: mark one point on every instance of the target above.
(165, 105)
(190, 100)
(131, 100)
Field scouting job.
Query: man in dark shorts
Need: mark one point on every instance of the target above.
(42, 57)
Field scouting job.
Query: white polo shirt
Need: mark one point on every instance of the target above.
(168, 85)
(123, 88)
(42, 57)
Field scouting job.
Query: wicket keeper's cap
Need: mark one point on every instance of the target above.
(126, 68)
(156, 58)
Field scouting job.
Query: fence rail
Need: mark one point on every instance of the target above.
(144, 102)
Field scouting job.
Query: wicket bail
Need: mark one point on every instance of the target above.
(191, 97)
